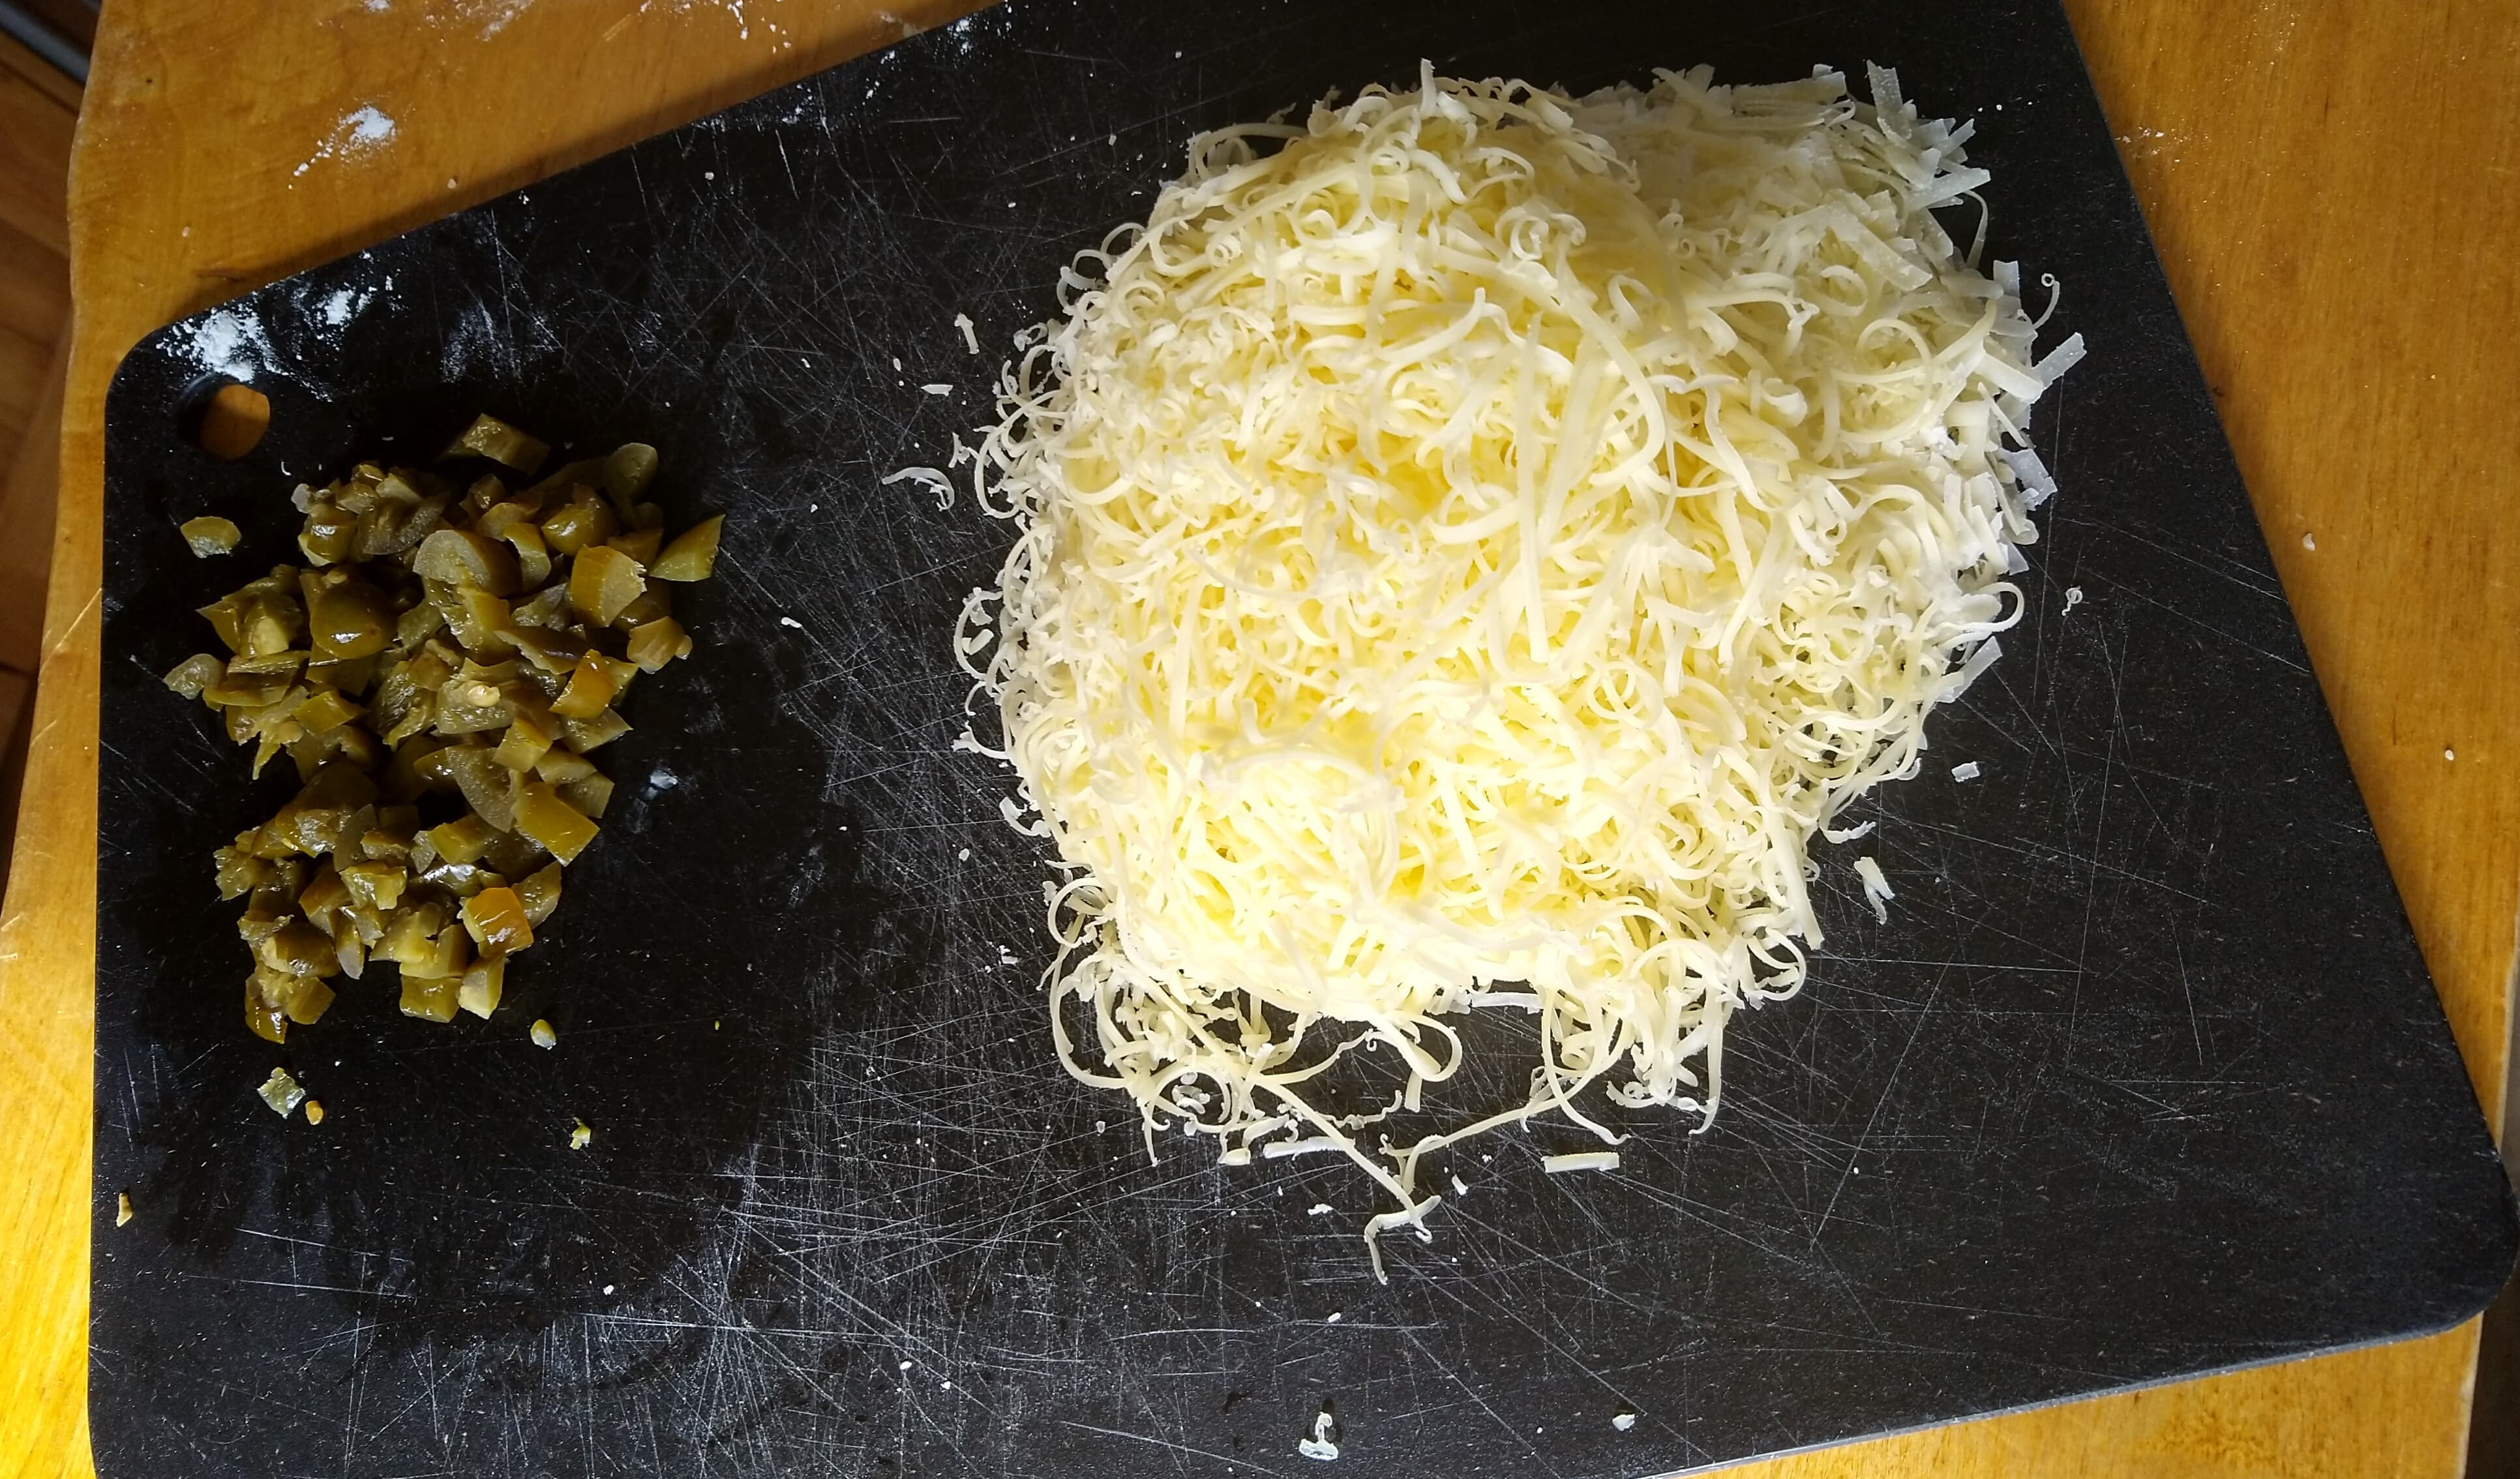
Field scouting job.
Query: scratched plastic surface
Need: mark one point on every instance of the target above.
(2143, 1078)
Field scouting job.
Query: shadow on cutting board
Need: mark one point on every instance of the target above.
(440, 1195)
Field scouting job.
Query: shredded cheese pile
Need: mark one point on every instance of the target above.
(1467, 545)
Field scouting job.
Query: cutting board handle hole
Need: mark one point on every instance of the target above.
(225, 418)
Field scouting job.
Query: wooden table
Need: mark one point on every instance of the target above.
(2335, 188)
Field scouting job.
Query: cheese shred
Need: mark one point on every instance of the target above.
(1474, 539)
(1877, 892)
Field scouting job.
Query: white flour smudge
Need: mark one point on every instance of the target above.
(772, 31)
(365, 127)
(499, 14)
(228, 342)
(491, 15)
(339, 307)
(2145, 142)
(363, 130)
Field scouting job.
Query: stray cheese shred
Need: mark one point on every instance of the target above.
(1877, 892)
(1468, 544)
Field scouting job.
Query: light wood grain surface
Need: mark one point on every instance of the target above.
(2334, 189)
(38, 108)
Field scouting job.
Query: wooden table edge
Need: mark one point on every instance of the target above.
(47, 925)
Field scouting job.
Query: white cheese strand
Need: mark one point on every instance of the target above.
(1877, 892)
(1480, 542)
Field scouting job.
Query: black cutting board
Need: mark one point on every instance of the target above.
(2143, 1078)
